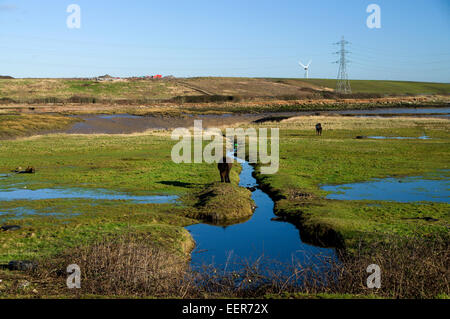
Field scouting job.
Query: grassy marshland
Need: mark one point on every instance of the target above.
(308, 161)
(140, 163)
(137, 164)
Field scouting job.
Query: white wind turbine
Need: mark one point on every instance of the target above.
(306, 68)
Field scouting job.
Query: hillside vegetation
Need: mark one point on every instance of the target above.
(382, 87)
(202, 89)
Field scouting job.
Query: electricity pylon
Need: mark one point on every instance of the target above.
(343, 84)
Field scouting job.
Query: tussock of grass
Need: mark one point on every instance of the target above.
(223, 203)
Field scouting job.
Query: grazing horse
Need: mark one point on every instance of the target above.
(318, 129)
(224, 170)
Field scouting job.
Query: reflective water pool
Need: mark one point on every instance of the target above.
(406, 189)
(21, 212)
(424, 137)
(10, 194)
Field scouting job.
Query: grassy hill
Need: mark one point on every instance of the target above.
(24, 90)
(142, 91)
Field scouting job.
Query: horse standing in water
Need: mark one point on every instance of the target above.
(318, 129)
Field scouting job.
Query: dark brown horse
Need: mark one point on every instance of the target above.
(318, 129)
(224, 169)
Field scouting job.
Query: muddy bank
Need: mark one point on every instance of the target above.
(319, 235)
(26, 124)
(127, 123)
(255, 105)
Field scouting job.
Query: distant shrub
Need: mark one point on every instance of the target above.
(205, 98)
(335, 95)
(7, 100)
(82, 99)
(45, 100)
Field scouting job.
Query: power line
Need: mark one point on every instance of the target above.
(395, 53)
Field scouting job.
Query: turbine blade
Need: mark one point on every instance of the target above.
(302, 64)
(309, 63)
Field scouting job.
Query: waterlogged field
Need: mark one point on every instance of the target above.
(308, 163)
(104, 179)
(136, 165)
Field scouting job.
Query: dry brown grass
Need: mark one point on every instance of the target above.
(410, 268)
(133, 267)
(125, 266)
(248, 87)
(344, 122)
(24, 124)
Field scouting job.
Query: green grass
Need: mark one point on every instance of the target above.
(141, 164)
(82, 222)
(308, 161)
(138, 164)
(116, 90)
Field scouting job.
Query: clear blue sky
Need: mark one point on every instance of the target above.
(256, 38)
